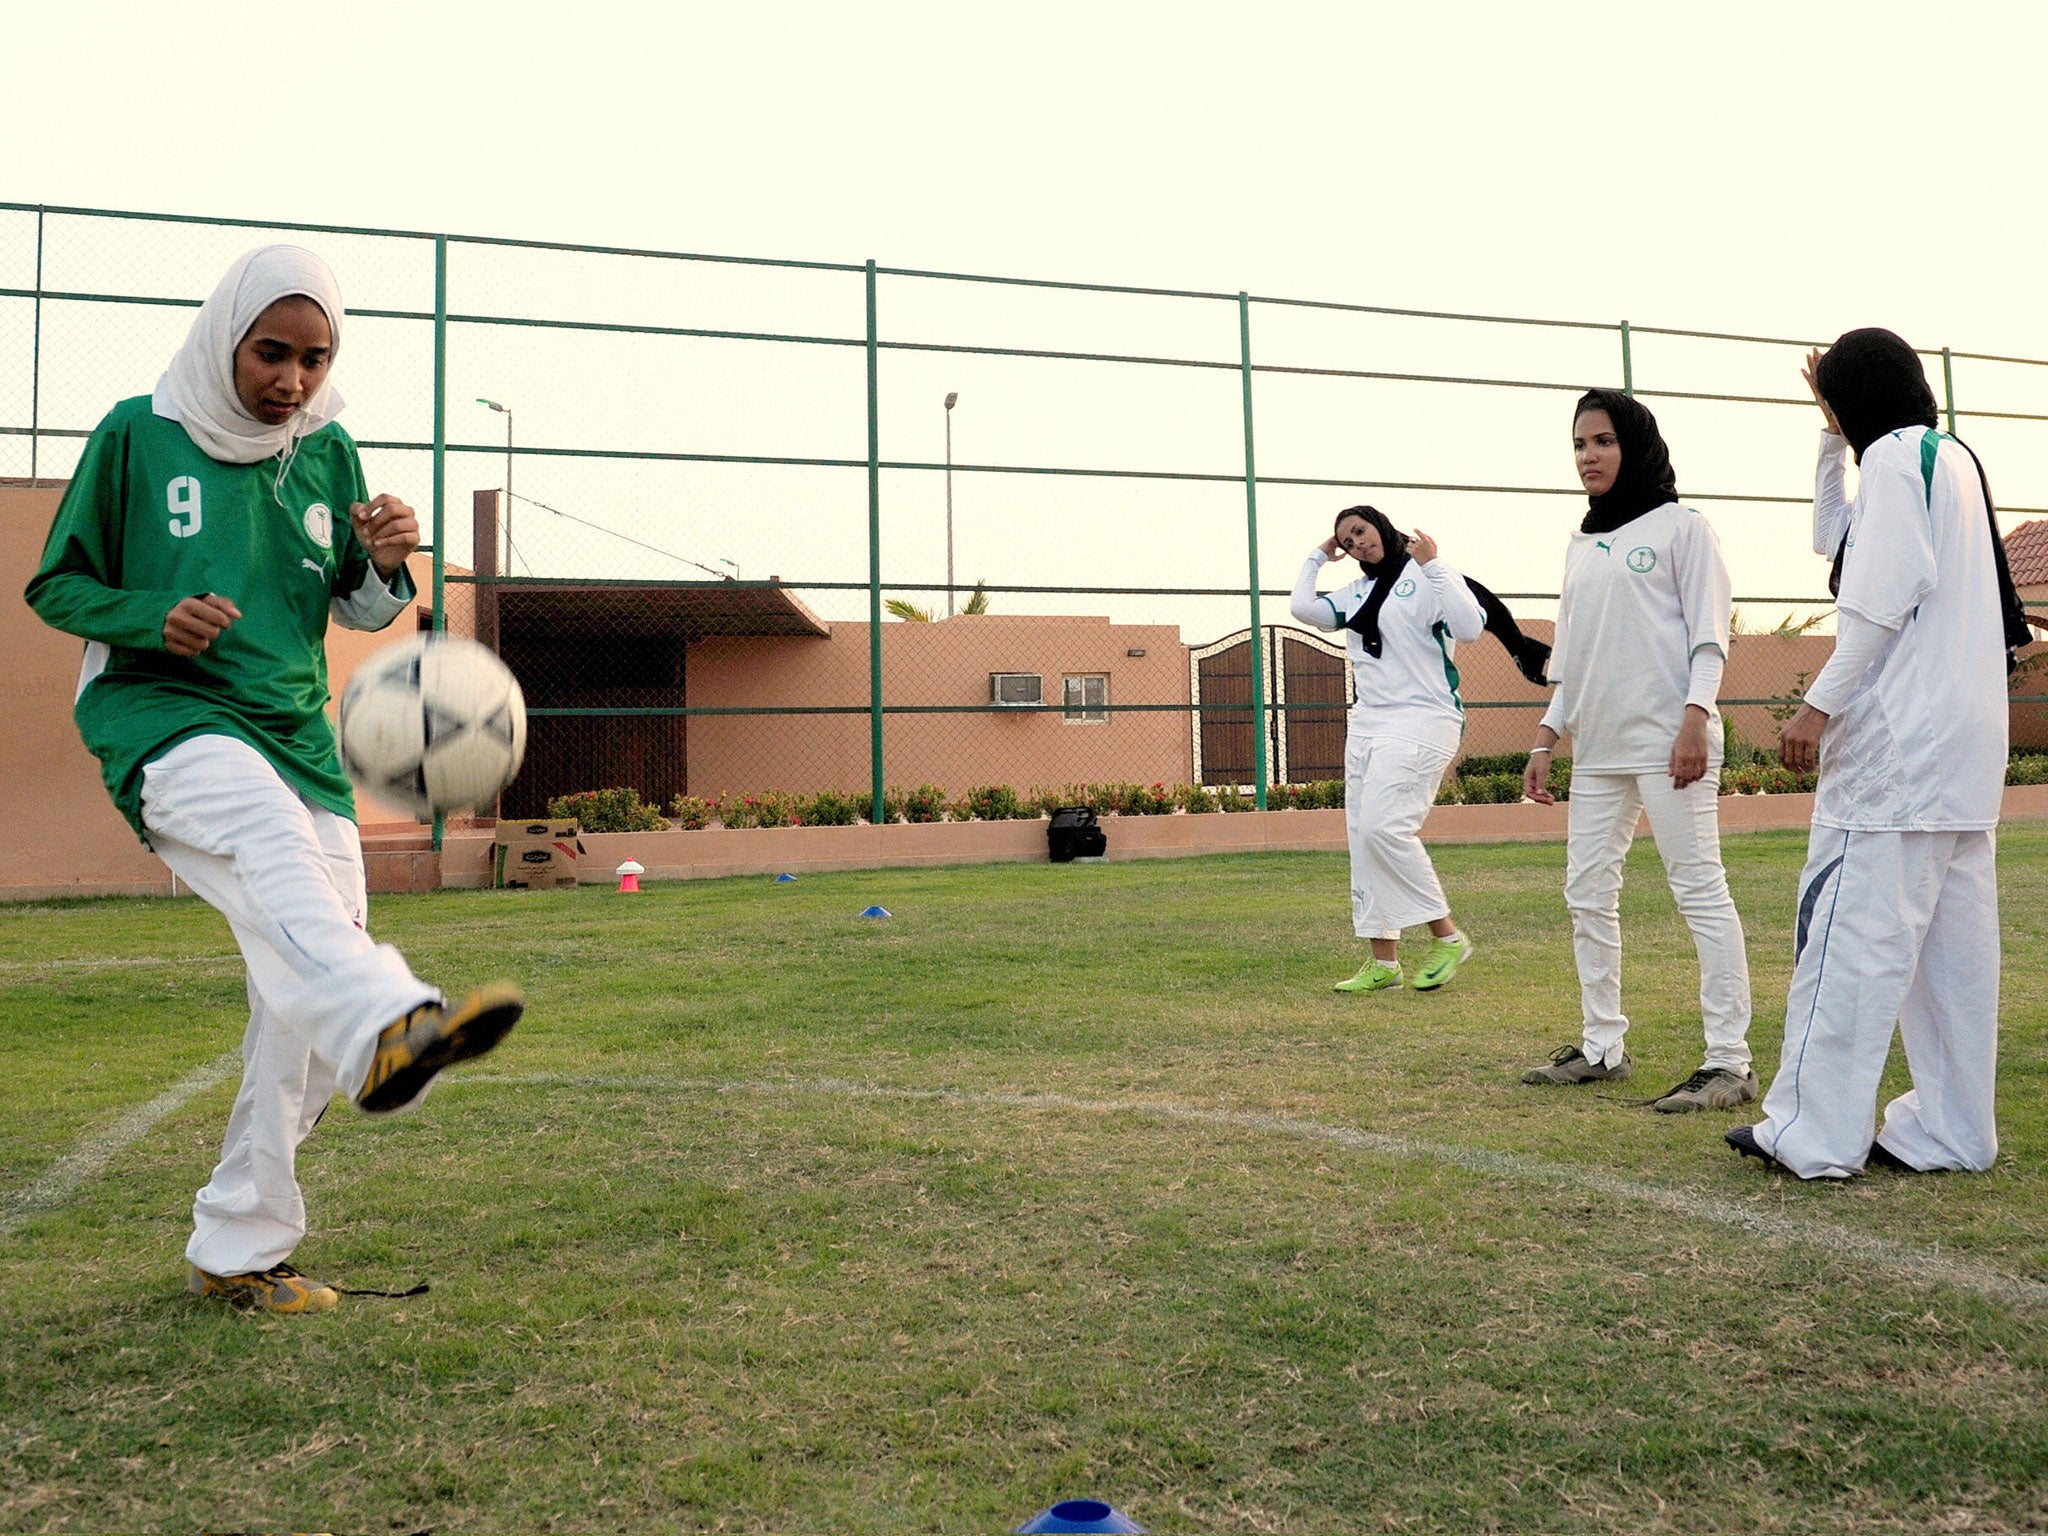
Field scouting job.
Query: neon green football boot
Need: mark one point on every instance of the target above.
(1445, 956)
(1377, 976)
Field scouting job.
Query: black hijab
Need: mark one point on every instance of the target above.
(1530, 654)
(1873, 382)
(1647, 480)
(1382, 572)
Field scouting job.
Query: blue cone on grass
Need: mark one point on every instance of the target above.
(785, 879)
(1080, 1515)
(875, 912)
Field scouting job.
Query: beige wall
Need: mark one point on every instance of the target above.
(62, 833)
(947, 662)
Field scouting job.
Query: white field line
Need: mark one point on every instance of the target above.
(1908, 1259)
(86, 1161)
(109, 962)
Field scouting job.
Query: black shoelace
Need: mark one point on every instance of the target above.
(1692, 1084)
(288, 1272)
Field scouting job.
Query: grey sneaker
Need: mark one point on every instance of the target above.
(1709, 1088)
(1568, 1064)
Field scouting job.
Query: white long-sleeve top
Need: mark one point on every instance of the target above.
(1409, 692)
(1642, 631)
(1916, 740)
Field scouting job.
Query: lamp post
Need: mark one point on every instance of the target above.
(952, 399)
(506, 412)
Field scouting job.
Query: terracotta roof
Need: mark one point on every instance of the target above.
(2026, 551)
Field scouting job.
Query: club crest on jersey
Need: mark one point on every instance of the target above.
(1405, 587)
(320, 524)
(1642, 559)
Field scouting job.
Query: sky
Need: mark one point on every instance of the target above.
(1786, 170)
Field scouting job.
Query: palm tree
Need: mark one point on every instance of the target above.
(910, 613)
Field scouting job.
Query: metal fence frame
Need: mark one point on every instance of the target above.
(874, 344)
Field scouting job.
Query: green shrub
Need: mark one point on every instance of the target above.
(829, 808)
(1492, 788)
(1319, 795)
(925, 803)
(2027, 768)
(1283, 797)
(1451, 791)
(770, 808)
(1747, 780)
(1492, 764)
(692, 813)
(1234, 797)
(996, 802)
(608, 810)
(1148, 800)
(1739, 753)
(1194, 799)
(1108, 799)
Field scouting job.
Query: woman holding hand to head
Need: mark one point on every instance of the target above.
(1404, 618)
(1897, 925)
(1642, 635)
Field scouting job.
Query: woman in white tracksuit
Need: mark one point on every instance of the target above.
(1642, 635)
(1897, 922)
(1404, 619)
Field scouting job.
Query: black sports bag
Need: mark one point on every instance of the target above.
(1073, 834)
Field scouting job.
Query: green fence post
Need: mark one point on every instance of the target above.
(440, 448)
(874, 556)
(1628, 370)
(1260, 725)
(1948, 388)
(35, 386)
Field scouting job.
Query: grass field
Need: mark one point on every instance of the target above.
(1065, 1181)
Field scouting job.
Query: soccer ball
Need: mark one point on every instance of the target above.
(433, 724)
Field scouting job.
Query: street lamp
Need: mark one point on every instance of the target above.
(506, 412)
(952, 399)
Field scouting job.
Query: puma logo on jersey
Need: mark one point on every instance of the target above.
(1603, 544)
(314, 566)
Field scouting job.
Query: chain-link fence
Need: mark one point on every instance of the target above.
(751, 529)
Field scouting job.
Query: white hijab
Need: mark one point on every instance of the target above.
(198, 389)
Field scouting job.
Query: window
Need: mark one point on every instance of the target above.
(1087, 699)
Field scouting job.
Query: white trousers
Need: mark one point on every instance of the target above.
(288, 877)
(1686, 823)
(1389, 787)
(1894, 929)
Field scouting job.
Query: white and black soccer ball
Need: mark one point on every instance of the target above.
(433, 724)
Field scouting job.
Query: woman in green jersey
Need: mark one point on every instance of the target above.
(198, 553)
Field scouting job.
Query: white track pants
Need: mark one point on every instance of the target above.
(1686, 823)
(1389, 787)
(1894, 929)
(288, 877)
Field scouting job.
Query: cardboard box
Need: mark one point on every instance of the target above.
(536, 855)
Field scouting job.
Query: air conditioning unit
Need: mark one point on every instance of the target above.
(1015, 688)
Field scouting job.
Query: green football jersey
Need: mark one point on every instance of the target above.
(149, 520)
